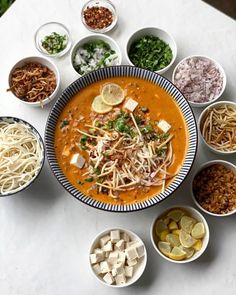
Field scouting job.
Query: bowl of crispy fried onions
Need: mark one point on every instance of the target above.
(34, 81)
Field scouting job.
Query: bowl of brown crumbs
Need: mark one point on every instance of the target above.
(214, 188)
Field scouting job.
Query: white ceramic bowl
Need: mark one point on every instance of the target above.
(163, 35)
(203, 166)
(216, 104)
(95, 37)
(100, 3)
(46, 62)
(138, 269)
(47, 29)
(193, 213)
(203, 104)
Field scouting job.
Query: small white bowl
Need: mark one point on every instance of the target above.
(161, 34)
(46, 30)
(94, 37)
(216, 104)
(193, 213)
(138, 269)
(100, 3)
(46, 62)
(203, 166)
(203, 104)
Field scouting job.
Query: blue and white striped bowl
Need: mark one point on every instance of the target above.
(121, 71)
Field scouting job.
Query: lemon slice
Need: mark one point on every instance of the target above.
(112, 94)
(198, 245)
(173, 225)
(187, 223)
(177, 254)
(164, 247)
(173, 239)
(186, 239)
(160, 227)
(189, 251)
(175, 214)
(198, 231)
(99, 106)
(163, 235)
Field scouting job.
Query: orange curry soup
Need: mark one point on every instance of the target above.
(161, 106)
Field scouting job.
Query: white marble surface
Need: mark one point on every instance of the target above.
(44, 232)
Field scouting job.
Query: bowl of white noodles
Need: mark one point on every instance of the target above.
(22, 155)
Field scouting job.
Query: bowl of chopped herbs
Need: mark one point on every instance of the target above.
(53, 39)
(151, 49)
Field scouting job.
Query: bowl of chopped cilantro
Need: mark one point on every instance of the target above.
(151, 49)
(53, 39)
(94, 52)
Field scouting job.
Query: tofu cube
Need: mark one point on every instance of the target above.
(129, 270)
(120, 279)
(113, 257)
(106, 254)
(118, 269)
(129, 244)
(125, 237)
(164, 126)
(131, 253)
(132, 262)
(104, 240)
(120, 245)
(108, 278)
(140, 250)
(108, 247)
(121, 257)
(77, 160)
(97, 269)
(96, 257)
(105, 267)
(115, 236)
(131, 104)
(99, 252)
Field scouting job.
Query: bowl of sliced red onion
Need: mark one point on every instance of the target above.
(201, 79)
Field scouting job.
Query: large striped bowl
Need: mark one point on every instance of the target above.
(119, 71)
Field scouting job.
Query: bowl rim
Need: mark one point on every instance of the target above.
(61, 53)
(113, 11)
(217, 103)
(112, 72)
(40, 139)
(200, 168)
(202, 219)
(157, 29)
(94, 36)
(130, 233)
(222, 71)
(55, 70)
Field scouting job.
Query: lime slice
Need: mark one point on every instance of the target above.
(166, 220)
(99, 106)
(187, 223)
(175, 214)
(173, 225)
(173, 240)
(164, 247)
(112, 94)
(160, 227)
(177, 254)
(198, 245)
(163, 235)
(198, 231)
(189, 251)
(186, 239)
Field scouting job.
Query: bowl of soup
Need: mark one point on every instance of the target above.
(121, 139)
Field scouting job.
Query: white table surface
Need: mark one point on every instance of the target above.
(45, 233)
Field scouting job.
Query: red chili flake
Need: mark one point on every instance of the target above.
(98, 17)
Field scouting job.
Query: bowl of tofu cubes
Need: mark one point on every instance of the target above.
(117, 257)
